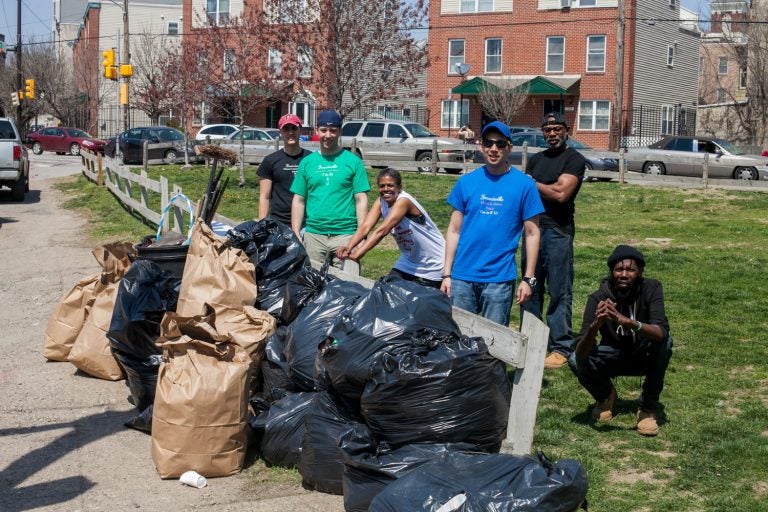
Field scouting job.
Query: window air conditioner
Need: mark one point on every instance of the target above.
(565, 4)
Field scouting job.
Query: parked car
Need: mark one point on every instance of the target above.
(396, 140)
(684, 156)
(132, 145)
(14, 160)
(255, 134)
(596, 159)
(216, 131)
(63, 140)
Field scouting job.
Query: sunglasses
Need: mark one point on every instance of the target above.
(501, 144)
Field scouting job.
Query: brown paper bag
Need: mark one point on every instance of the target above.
(67, 319)
(201, 404)
(250, 329)
(114, 258)
(90, 352)
(215, 274)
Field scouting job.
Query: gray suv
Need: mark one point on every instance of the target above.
(402, 141)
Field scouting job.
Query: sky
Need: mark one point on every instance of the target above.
(37, 18)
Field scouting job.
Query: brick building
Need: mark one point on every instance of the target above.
(565, 53)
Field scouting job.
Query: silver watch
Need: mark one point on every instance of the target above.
(531, 281)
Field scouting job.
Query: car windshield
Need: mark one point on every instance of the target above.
(78, 133)
(418, 130)
(729, 147)
(274, 133)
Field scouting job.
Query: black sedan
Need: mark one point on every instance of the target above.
(170, 143)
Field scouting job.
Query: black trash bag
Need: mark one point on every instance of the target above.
(369, 468)
(279, 431)
(142, 421)
(392, 311)
(277, 254)
(274, 368)
(145, 293)
(442, 388)
(321, 465)
(301, 289)
(482, 482)
(311, 327)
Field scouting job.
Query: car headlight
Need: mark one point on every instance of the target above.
(88, 143)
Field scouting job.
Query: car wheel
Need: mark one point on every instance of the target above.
(37, 148)
(654, 168)
(745, 173)
(171, 157)
(587, 167)
(426, 159)
(74, 149)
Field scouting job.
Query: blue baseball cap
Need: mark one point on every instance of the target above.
(499, 127)
(329, 118)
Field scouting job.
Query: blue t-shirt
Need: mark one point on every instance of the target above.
(494, 209)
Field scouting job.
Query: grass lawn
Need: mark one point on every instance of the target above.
(709, 250)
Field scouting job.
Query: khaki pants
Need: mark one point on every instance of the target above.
(319, 246)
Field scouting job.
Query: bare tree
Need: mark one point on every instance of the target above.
(153, 82)
(248, 66)
(503, 99)
(363, 51)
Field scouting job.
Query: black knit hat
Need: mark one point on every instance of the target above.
(623, 252)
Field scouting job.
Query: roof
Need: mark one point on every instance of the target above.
(536, 84)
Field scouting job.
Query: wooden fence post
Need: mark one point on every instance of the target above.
(99, 171)
(524, 157)
(145, 154)
(164, 198)
(622, 168)
(705, 170)
(434, 157)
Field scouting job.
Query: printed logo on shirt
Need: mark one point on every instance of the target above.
(491, 205)
(327, 172)
(403, 238)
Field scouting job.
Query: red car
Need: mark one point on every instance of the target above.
(63, 140)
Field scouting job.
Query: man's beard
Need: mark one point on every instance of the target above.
(625, 294)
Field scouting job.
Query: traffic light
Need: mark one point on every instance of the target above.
(29, 89)
(15, 98)
(126, 70)
(110, 71)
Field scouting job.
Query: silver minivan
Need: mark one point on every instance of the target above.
(402, 141)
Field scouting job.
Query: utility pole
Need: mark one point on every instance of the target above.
(18, 58)
(126, 59)
(618, 93)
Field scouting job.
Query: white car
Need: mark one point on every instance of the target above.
(216, 131)
(257, 143)
(255, 134)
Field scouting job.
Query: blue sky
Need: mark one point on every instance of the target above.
(37, 18)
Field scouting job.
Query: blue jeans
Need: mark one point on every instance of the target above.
(554, 267)
(646, 358)
(490, 300)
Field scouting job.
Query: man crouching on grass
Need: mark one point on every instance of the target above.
(627, 311)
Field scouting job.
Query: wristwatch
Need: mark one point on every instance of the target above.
(531, 281)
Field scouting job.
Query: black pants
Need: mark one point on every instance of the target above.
(646, 358)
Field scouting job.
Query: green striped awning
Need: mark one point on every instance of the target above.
(537, 85)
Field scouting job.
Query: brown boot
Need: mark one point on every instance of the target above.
(555, 360)
(603, 411)
(647, 425)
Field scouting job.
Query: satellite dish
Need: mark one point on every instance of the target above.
(462, 68)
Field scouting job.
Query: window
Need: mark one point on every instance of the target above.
(454, 113)
(493, 55)
(275, 61)
(476, 5)
(350, 129)
(373, 130)
(455, 55)
(722, 95)
(305, 61)
(671, 55)
(230, 63)
(584, 3)
(594, 115)
(173, 28)
(395, 131)
(305, 110)
(596, 53)
(217, 11)
(673, 3)
(722, 66)
(555, 54)
(667, 119)
(743, 78)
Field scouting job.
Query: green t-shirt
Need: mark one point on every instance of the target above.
(328, 184)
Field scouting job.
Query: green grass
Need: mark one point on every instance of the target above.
(709, 250)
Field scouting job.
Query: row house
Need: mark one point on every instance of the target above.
(564, 53)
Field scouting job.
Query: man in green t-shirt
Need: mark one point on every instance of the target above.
(331, 186)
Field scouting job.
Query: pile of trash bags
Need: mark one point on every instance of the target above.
(362, 390)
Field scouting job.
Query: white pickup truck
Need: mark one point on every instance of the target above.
(14, 160)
